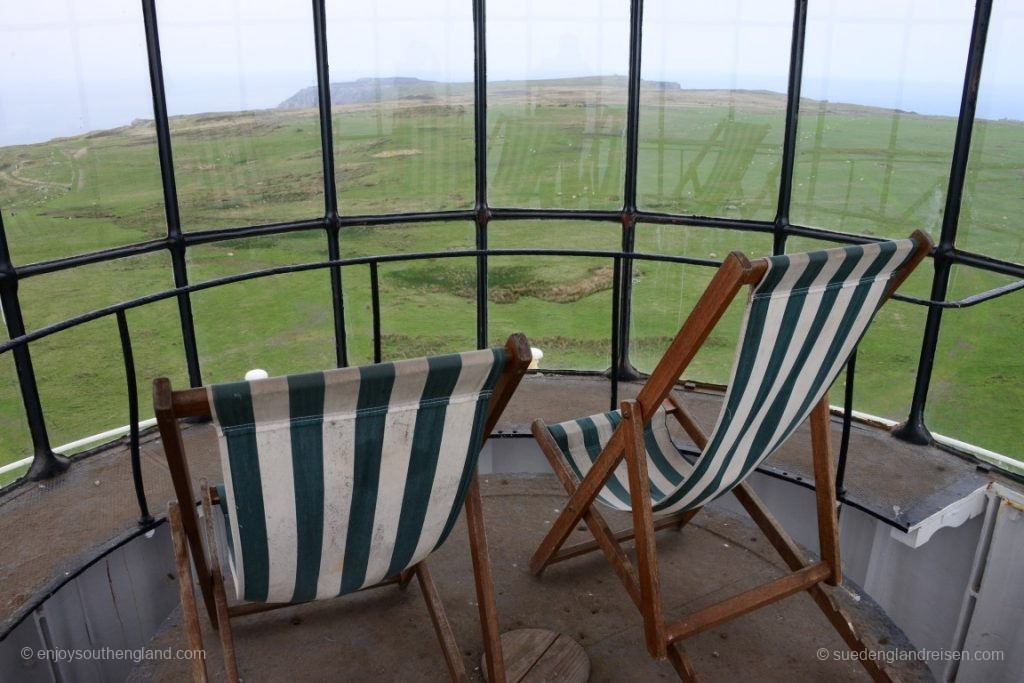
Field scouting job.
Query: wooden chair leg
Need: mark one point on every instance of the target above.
(825, 490)
(581, 499)
(643, 525)
(682, 664)
(189, 613)
(405, 577)
(603, 535)
(793, 556)
(450, 648)
(484, 583)
(220, 599)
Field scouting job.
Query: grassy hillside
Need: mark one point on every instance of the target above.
(551, 144)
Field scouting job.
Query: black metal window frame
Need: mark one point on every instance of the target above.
(46, 463)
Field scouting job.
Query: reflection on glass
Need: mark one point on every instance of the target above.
(990, 216)
(556, 103)
(402, 97)
(665, 293)
(426, 306)
(878, 115)
(243, 152)
(977, 386)
(713, 106)
(563, 304)
(78, 163)
(50, 298)
(663, 296)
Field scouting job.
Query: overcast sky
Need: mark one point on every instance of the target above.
(70, 66)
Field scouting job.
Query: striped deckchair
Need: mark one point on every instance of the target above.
(339, 481)
(804, 316)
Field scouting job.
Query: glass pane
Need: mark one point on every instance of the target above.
(878, 115)
(78, 163)
(282, 323)
(977, 387)
(247, 254)
(993, 202)
(427, 306)
(665, 293)
(402, 96)
(663, 296)
(713, 106)
(563, 304)
(406, 238)
(242, 153)
(556, 103)
(15, 442)
(80, 373)
(157, 348)
(53, 297)
(706, 243)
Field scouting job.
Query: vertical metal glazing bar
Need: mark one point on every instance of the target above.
(796, 69)
(844, 440)
(626, 370)
(914, 430)
(175, 241)
(483, 214)
(331, 224)
(375, 309)
(46, 463)
(133, 416)
(613, 372)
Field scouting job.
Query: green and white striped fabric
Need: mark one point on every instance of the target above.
(336, 480)
(801, 323)
(582, 440)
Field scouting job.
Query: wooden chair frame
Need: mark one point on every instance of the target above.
(172, 406)
(663, 638)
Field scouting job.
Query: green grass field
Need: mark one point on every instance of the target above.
(556, 144)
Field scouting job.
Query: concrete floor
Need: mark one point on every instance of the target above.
(385, 634)
(59, 525)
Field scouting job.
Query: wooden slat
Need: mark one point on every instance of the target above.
(565, 661)
(643, 525)
(748, 601)
(450, 648)
(794, 557)
(189, 613)
(181, 479)
(682, 664)
(220, 598)
(825, 489)
(676, 519)
(192, 403)
(592, 518)
(689, 425)
(484, 583)
(523, 648)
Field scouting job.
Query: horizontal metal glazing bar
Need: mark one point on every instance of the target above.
(464, 253)
(44, 267)
(303, 267)
(966, 302)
